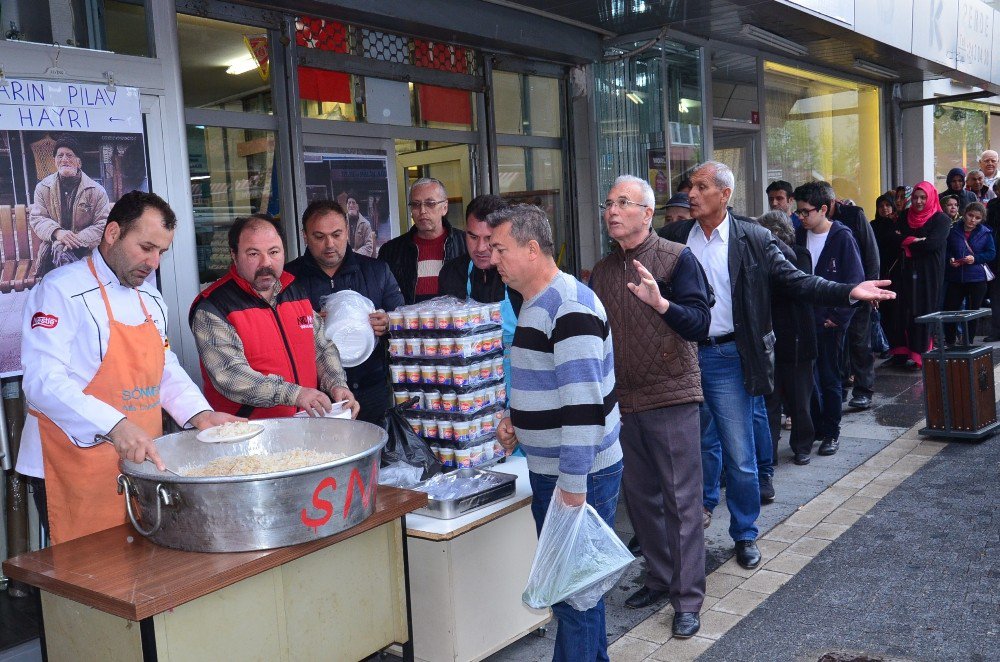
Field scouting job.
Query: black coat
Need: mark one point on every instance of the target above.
(371, 278)
(854, 218)
(888, 237)
(401, 256)
(487, 286)
(922, 275)
(756, 265)
(794, 327)
(992, 221)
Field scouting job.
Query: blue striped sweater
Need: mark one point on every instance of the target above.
(562, 397)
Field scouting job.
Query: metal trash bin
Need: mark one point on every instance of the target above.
(959, 390)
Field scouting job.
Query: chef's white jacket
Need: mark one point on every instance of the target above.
(62, 349)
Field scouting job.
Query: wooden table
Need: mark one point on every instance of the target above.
(467, 575)
(341, 597)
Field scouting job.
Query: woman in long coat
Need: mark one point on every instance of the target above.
(924, 230)
(885, 225)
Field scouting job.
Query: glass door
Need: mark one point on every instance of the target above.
(737, 149)
(451, 164)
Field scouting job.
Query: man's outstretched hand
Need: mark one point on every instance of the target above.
(871, 290)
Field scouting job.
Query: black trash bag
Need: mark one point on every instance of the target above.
(880, 342)
(405, 447)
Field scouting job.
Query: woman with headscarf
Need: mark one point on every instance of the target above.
(924, 230)
(885, 225)
(956, 187)
(902, 200)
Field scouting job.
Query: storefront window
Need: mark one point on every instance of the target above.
(224, 66)
(526, 105)
(534, 176)
(630, 107)
(448, 162)
(232, 175)
(113, 25)
(961, 133)
(734, 86)
(823, 128)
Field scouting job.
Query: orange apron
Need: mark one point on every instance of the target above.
(80, 485)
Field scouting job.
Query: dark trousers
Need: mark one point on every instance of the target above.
(827, 398)
(972, 295)
(663, 485)
(994, 289)
(858, 359)
(374, 399)
(793, 386)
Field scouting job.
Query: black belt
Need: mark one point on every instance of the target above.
(717, 340)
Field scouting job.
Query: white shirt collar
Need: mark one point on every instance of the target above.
(722, 230)
(109, 277)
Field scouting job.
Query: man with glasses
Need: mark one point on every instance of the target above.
(657, 300)
(416, 258)
(743, 263)
(988, 164)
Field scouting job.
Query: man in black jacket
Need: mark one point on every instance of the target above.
(743, 262)
(330, 265)
(858, 359)
(993, 223)
(416, 258)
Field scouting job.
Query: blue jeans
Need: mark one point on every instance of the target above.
(727, 424)
(828, 397)
(582, 635)
(763, 445)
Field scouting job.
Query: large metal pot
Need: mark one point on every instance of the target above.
(244, 513)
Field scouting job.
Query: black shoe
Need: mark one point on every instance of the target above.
(844, 395)
(829, 446)
(801, 459)
(706, 518)
(860, 402)
(766, 489)
(747, 554)
(633, 546)
(991, 338)
(686, 624)
(644, 597)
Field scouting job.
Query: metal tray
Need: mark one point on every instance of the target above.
(497, 486)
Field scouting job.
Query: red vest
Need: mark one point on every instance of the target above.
(276, 341)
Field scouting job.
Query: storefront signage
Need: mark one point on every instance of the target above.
(888, 21)
(841, 11)
(935, 34)
(975, 37)
(52, 132)
(35, 105)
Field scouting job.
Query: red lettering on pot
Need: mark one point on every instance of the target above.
(321, 504)
(367, 492)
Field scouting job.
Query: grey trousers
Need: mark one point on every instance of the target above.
(662, 483)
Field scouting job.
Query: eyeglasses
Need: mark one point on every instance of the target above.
(805, 212)
(415, 205)
(622, 203)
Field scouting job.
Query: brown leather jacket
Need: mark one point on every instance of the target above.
(654, 366)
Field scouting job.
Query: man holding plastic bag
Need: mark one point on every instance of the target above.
(565, 416)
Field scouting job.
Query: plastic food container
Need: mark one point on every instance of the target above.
(396, 321)
(449, 402)
(426, 318)
(460, 375)
(433, 400)
(411, 320)
(444, 375)
(463, 458)
(466, 402)
(412, 374)
(428, 373)
(442, 319)
(412, 347)
(429, 346)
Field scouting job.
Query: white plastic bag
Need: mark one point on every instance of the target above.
(347, 325)
(579, 558)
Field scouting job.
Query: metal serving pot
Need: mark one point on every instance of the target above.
(261, 511)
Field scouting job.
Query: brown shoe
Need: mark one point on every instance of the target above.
(706, 518)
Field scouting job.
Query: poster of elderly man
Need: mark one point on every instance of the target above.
(67, 153)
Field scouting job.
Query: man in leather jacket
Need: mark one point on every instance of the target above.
(743, 264)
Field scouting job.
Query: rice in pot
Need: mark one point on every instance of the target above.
(243, 465)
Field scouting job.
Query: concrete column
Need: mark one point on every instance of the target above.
(917, 137)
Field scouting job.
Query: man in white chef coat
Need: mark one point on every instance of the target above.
(98, 367)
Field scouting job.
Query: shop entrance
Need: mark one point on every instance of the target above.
(739, 149)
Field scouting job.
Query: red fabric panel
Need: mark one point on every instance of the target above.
(323, 85)
(444, 104)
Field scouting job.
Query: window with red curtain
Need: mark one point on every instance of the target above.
(321, 84)
(442, 104)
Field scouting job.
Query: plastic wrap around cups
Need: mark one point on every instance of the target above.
(348, 327)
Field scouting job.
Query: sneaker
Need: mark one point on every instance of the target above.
(766, 489)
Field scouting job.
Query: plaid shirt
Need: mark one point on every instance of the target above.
(222, 355)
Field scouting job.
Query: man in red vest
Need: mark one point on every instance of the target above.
(263, 351)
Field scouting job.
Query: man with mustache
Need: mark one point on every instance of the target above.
(263, 351)
(360, 234)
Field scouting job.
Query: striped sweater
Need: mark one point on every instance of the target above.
(562, 397)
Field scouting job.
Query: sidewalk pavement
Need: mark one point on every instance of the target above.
(897, 406)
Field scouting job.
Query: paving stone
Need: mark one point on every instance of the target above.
(770, 548)
(875, 491)
(632, 649)
(859, 504)
(808, 546)
(731, 567)
(656, 628)
(843, 516)
(929, 448)
(854, 480)
(828, 531)
(716, 623)
(740, 602)
(765, 581)
(719, 584)
(788, 562)
(786, 533)
(682, 650)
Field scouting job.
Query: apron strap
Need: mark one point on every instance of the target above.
(104, 294)
(468, 285)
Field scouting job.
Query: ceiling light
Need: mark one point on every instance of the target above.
(241, 66)
(875, 69)
(634, 97)
(773, 40)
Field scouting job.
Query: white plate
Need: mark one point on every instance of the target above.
(338, 411)
(210, 436)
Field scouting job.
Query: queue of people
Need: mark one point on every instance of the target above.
(671, 367)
